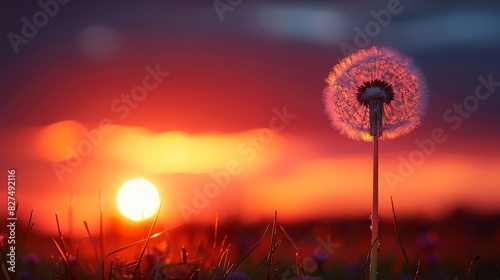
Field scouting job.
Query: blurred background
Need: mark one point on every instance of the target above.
(219, 104)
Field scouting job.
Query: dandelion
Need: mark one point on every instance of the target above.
(375, 93)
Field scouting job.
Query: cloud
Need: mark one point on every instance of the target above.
(468, 28)
(301, 22)
(161, 153)
(99, 42)
(180, 152)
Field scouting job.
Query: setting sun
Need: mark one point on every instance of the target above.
(138, 199)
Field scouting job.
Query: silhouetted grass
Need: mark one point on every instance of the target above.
(217, 261)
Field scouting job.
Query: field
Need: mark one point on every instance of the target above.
(441, 249)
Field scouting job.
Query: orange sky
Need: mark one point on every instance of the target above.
(246, 174)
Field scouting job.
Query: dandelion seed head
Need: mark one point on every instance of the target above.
(376, 89)
(383, 80)
(375, 92)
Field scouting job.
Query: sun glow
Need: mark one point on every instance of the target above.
(138, 199)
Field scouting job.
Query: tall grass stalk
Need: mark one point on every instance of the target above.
(401, 246)
(136, 271)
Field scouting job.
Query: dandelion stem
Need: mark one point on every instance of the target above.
(376, 112)
(375, 248)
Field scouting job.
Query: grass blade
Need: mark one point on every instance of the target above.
(195, 274)
(63, 247)
(129, 246)
(398, 234)
(147, 240)
(270, 256)
(64, 257)
(31, 224)
(298, 258)
(248, 253)
(368, 258)
(470, 265)
(215, 239)
(418, 269)
(92, 241)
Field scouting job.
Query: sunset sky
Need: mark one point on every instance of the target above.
(222, 109)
